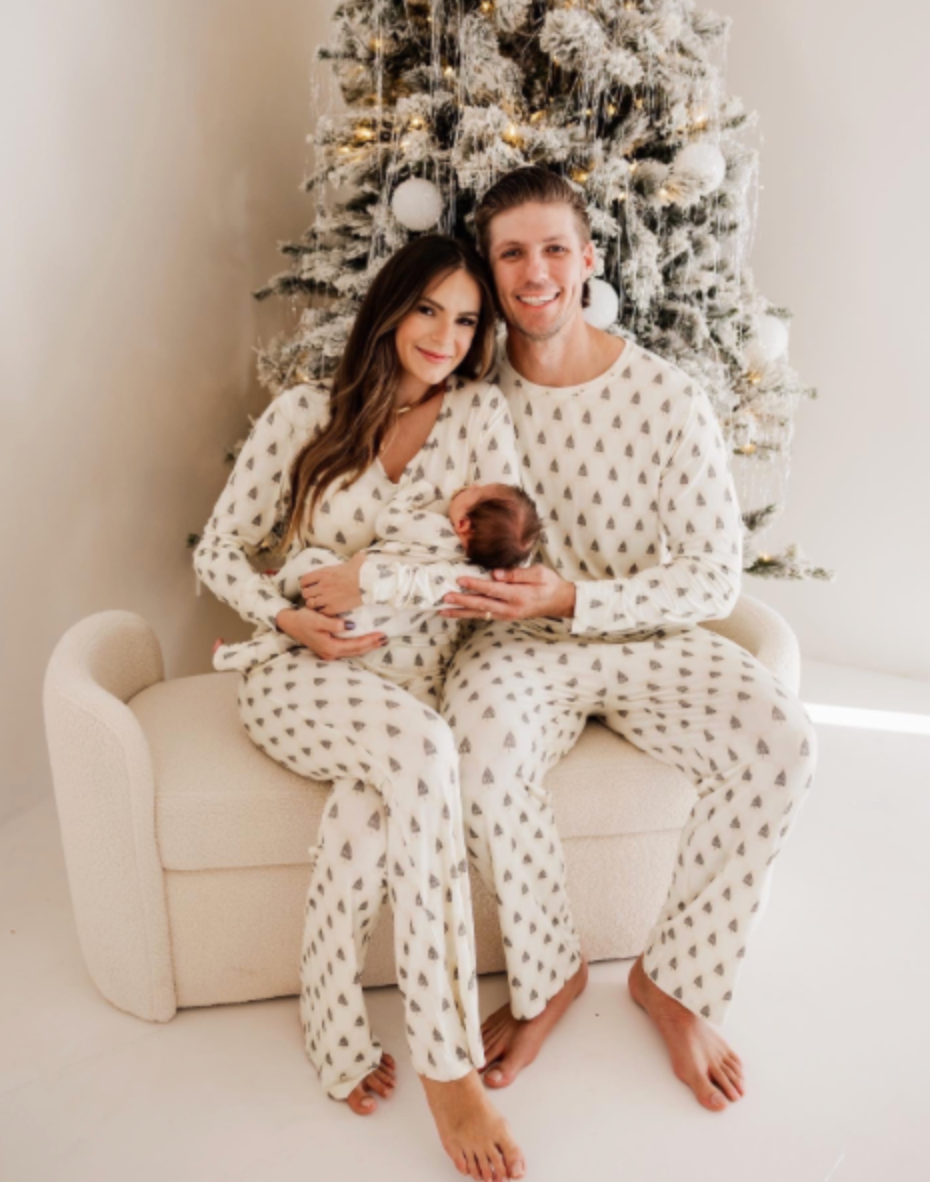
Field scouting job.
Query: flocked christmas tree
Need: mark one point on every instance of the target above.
(625, 98)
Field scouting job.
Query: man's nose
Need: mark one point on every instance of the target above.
(534, 269)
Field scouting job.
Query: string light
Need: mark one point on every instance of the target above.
(449, 72)
(511, 136)
(416, 122)
(580, 175)
(376, 43)
(611, 110)
(487, 6)
(364, 133)
(754, 378)
(748, 449)
(537, 115)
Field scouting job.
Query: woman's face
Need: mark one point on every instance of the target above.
(435, 337)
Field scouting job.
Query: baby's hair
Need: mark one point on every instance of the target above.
(504, 530)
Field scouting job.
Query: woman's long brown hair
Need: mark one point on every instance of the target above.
(362, 398)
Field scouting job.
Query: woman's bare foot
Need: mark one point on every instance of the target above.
(510, 1043)
(381, 1082)
(700, 1057)
(472, 1131)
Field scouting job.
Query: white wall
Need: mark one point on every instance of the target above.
(843, 240)
(152, 158)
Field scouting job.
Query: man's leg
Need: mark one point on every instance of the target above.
(516, 707)
(695, 700)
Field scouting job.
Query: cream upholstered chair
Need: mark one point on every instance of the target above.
(187, 848)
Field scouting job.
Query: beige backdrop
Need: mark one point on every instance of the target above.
(152, 158)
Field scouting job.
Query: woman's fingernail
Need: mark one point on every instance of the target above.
(349, 625)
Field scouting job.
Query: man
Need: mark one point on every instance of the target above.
(625, 459)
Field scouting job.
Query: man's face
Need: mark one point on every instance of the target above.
(540, 265)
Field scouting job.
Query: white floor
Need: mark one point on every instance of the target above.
(832, 1020)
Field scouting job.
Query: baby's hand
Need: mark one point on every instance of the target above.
(218, 643)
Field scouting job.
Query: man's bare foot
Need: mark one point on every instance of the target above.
(381, 1081)
(700, 1057)
(510, 1043)
(472, 1131)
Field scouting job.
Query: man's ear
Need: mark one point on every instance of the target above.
(589, 256)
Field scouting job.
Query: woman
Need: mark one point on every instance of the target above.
(407, 403)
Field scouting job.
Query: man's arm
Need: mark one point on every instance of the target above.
(700, 520)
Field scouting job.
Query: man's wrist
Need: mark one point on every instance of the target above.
(567, 604)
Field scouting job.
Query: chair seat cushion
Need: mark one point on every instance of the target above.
(221, 803)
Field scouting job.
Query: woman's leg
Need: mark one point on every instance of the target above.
(339, 721)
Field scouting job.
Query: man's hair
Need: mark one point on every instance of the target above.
(521, 186)
(505, 530)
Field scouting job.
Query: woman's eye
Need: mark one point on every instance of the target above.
(425, 309)
(468, 323)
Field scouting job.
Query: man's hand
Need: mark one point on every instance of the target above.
(326, 638)
(333, 590)
(517, 594)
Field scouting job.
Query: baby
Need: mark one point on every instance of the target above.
(487, 527)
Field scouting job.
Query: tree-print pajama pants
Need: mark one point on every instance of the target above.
(391, 825)
(518, 702)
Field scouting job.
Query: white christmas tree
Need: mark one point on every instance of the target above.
(625, 98)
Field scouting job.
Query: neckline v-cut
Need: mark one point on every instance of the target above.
(397, 483)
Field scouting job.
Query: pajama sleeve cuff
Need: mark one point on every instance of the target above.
(376, 581)
(592, 610)
(267, 610)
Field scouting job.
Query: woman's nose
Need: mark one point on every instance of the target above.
(443, 334)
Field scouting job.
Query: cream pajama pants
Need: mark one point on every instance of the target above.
(392, 826)
(518, 702)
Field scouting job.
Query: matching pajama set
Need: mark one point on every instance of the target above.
(392, 824)
(631, 477)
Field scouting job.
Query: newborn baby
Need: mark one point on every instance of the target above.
(420, 551)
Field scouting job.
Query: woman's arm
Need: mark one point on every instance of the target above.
(255, 499)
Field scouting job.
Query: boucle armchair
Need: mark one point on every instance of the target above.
(187, 848)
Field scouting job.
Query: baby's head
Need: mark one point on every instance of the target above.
(496, 523)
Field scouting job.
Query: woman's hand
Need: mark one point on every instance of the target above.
(333, 590)
(326, 638)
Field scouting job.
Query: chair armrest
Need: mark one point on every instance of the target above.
(761, 631)
(105, 795)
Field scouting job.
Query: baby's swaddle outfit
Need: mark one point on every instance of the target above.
(413, 527)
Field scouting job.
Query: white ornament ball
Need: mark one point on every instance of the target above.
(605, 304)
(705, 162)
(417, 204)
(769, 342)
